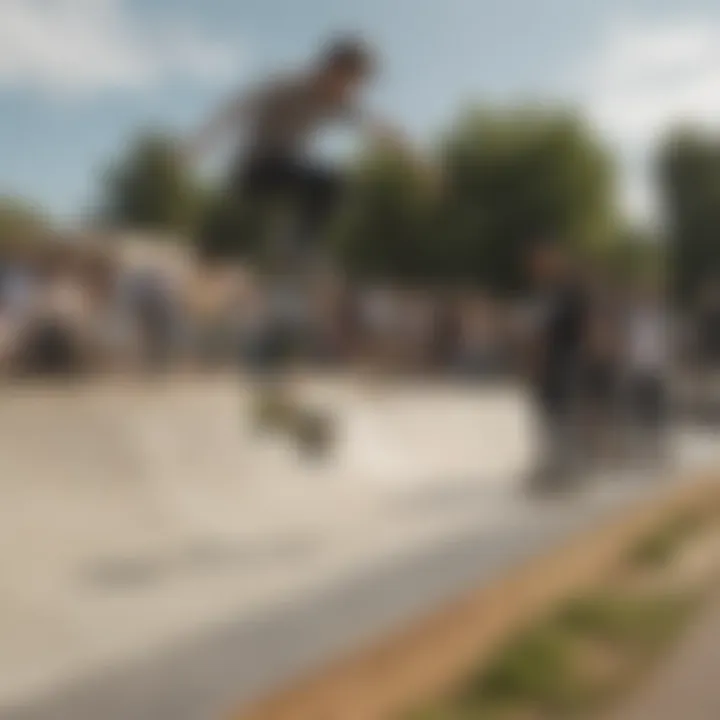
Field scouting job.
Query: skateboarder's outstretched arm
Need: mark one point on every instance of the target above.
(224, 123)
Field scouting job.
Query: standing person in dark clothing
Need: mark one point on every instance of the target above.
(709, 325)
(707, 353)
(560, 334)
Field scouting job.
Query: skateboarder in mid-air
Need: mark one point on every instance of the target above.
(276, 123)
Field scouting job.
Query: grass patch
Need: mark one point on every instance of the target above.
(547, 672)
(626, 621)
(661, 546)
(537, 667)
(576, 661)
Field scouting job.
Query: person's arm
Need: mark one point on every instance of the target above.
(379, 131)
(225, 120)
(371, 126)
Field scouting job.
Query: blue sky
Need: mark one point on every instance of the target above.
(78, 77)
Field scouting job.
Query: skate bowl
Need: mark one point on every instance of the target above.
(109, 487)
(384, 434)
(161, 559)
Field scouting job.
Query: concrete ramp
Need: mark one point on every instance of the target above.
(159, 559)
(196, 434)
(135, 513)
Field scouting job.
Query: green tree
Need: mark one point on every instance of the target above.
(689, 175)
(151, 188)
(501, 179)
(632, 255)
(513, 176)
(21, 223)
(232, 228)
(389, 229)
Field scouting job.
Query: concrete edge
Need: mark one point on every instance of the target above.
(425, 659)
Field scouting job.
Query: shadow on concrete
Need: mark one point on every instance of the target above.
(456, 496)
(121, 573)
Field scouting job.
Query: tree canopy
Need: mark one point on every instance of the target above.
(689, 173)
(498, 181)
(21, 223)
(462, 211)
(151, 188)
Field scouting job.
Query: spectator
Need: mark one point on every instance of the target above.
(445, 332)
(381, 321)
(51, 343)
(153, 309)
(709, 325)
(478, 352)
(648, 366)
(601, 373)
(561, 326)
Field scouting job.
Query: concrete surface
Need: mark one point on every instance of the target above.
(161, 561)
(687, 685)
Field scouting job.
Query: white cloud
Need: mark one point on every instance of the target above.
(643, 78)
(85, 46)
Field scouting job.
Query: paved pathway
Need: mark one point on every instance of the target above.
(687, 685)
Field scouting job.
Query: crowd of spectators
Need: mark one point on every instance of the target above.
(65, 311)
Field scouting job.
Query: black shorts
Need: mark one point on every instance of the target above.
(311, 192)
(278, 176)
